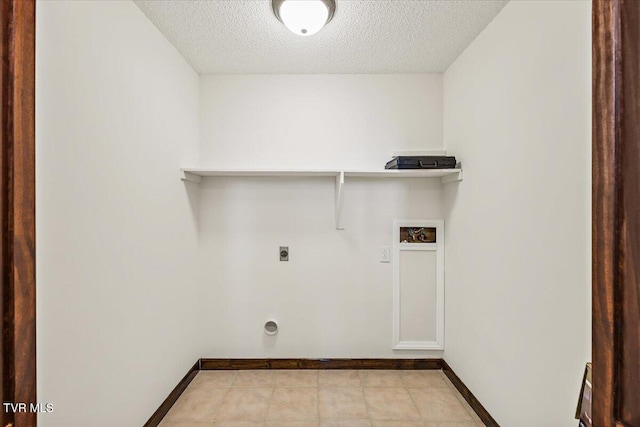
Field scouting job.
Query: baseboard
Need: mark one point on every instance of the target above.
(164, 408)
(396, 364)
(475, 404)
(212, 364)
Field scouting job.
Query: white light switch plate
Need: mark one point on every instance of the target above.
(385, 254)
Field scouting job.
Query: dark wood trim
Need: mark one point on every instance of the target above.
(212, 364)
(605, 37)
(17, 212)
(164, 408)
(475, 404)
(616, 223)
(627, 325)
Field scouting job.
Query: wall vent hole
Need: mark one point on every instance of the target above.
(271, 327)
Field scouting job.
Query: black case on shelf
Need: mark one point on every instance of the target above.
(422, 162)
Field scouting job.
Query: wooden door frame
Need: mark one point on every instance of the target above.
(17, 202)
(616, 222)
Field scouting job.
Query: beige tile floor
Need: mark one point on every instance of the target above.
(324, 398)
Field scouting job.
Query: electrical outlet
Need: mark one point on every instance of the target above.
(385, 254)
(284, 253)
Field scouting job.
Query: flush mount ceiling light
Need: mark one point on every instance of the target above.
(304, 17)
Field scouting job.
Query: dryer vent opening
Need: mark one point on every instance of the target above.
(271, 327)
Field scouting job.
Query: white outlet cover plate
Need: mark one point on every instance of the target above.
(385, 254)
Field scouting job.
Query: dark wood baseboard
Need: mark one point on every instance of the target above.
(157, 416)
(475, 404)
(396, 364)
(213, 364)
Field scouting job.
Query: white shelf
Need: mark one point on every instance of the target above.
(260, 172)
(194, 174)
(406, 173)
(445, 176)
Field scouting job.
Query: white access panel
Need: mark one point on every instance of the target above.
(418, 289)
(418, 294)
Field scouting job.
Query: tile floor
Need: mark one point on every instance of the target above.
(324, 398)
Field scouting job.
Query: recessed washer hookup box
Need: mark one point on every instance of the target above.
(422, 162)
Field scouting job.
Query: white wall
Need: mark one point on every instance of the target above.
(117, 113)
(517, 113)
(334, 297)
(316, 121)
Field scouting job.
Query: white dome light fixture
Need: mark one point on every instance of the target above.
(304, 17)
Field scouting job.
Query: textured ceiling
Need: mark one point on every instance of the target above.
(365, 36)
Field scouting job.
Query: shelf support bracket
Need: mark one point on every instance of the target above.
(455, 177)
(190, 177)
(339, 199)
